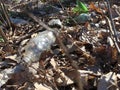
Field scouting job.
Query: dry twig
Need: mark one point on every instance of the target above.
(5, 12)
(77, 80)
(112, 28)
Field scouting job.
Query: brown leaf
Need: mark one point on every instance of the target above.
(94, 8)
(114, 53)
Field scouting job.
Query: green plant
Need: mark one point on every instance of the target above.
(80, 7)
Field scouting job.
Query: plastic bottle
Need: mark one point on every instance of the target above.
(37, 45)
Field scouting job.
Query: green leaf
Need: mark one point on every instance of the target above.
(80, 7)
(83, 7)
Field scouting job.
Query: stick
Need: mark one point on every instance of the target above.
(77, 80)
(112, 28)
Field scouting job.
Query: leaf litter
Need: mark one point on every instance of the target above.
(85, 56)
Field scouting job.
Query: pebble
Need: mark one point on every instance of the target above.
(55, 23)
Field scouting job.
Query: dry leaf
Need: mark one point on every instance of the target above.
(42, 87)
(94, 8)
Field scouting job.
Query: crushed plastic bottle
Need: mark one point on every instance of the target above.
(37, 45)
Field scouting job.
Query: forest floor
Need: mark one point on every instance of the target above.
(84, 56)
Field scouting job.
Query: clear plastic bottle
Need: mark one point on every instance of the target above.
(37, 45)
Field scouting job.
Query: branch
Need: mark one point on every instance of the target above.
(77, 80)
(112, 28)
